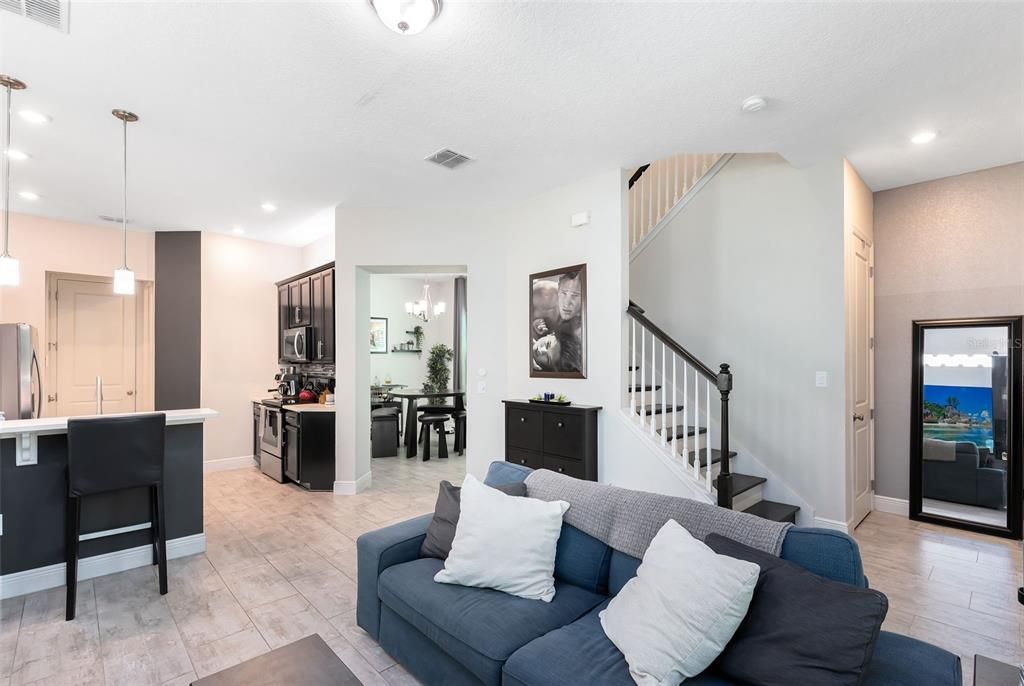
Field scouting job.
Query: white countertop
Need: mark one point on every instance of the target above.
(58, 425)
(309, 407)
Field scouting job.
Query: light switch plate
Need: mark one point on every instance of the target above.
(481, 387)
(821, 379)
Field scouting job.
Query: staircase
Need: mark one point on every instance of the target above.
(672, 398)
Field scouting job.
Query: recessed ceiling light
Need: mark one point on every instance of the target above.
(17, 155)
(922, 137)
(238, 230)
(268, 207)
(755, 103)
(406, 17)
(33, 117)
(28, 195)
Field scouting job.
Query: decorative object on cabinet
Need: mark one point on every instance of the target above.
(10, 270)
(438, 373)
(378, 335)
(544, 436)
(552, 399)
(124, 278)
(558, 323)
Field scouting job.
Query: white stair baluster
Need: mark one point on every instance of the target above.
(707, 436)
(654, 394)
(696, 412)
(643, 372)
(675, 435)
(664, 392)
(632, 366)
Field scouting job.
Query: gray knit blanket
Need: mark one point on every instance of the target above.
(628, 520)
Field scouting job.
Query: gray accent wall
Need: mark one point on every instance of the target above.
(177, 327)
(948, 248)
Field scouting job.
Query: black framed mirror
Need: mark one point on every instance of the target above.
(965, 436)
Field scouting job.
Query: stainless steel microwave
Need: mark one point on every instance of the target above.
(295, 344)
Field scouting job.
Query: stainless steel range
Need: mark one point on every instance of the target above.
(271, 439)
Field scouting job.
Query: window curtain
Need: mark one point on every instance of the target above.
(459, 338)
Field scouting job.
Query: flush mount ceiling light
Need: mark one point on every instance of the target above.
(268, 207)
(10, 270)
(28, 195)
(755, 103)
(425, 307)
(16, 155)
(922, 137)
(407, 17)
(124, 278)
(33, 117)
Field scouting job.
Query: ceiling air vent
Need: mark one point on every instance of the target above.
(52, 13)
(448, 158)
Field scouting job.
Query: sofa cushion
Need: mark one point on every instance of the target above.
(621, 568)
(801, 628)
(479, 627)
(827, 553)
(447, 509)
(903, 661)
(578, 653)
(582, 560)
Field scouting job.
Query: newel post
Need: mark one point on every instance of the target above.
(724, 482)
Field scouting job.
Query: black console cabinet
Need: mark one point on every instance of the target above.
(560, 438)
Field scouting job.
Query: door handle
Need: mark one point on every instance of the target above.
(297, 315)
(320, 350)
(858, 418)
(99, 395)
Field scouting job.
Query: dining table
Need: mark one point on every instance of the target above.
(411, 397)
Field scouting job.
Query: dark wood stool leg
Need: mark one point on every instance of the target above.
(442, 442)
(460, 435)
(74, 519)
(154, 529)
(161, 540)
(425, 437)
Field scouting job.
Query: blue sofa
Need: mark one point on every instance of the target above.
(453, 635)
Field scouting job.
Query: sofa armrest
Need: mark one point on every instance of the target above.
(378, 550)
(828, 553)
(991, 487)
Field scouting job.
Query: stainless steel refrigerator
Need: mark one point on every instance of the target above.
(21, 384)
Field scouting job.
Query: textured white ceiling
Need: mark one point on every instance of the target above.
(309, 105)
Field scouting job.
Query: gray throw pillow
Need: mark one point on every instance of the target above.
(801, 628)
(441, 532)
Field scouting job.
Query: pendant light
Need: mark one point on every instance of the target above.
(425, 306)
(124, 278)
(10, 271)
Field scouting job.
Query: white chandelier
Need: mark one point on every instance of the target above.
(425, 307)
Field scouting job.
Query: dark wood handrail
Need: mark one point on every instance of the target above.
(637, 313)
(637, 174)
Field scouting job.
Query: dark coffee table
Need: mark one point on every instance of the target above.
(309, 661)
(989, 672)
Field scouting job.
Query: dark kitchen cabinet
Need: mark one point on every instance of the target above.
(299, 300)
(308, 300)
(309, 448)
(562, 438)
(322, 287)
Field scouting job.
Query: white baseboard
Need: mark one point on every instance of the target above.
(896, 506)
(224, 464)
(353, 487)
(823, 523)
(42, 578)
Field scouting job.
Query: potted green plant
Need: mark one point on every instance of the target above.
(438, 373)
(417, 333)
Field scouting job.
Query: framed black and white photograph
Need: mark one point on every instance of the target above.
(558, 323)
(378, 335)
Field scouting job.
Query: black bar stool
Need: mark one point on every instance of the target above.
(433, 408)
(436, 422)
(114, 454)
(460, 431)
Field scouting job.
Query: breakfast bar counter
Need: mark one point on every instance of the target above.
(33, 497)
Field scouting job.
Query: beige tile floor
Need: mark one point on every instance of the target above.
(281, 564)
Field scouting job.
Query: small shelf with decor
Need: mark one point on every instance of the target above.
(399, 350)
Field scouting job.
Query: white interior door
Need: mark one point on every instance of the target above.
(96, 339)
(863, 421)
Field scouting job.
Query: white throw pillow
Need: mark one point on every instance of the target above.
(677, 614)
(505, 543)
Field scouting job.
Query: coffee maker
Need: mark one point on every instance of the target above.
(289, 384)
